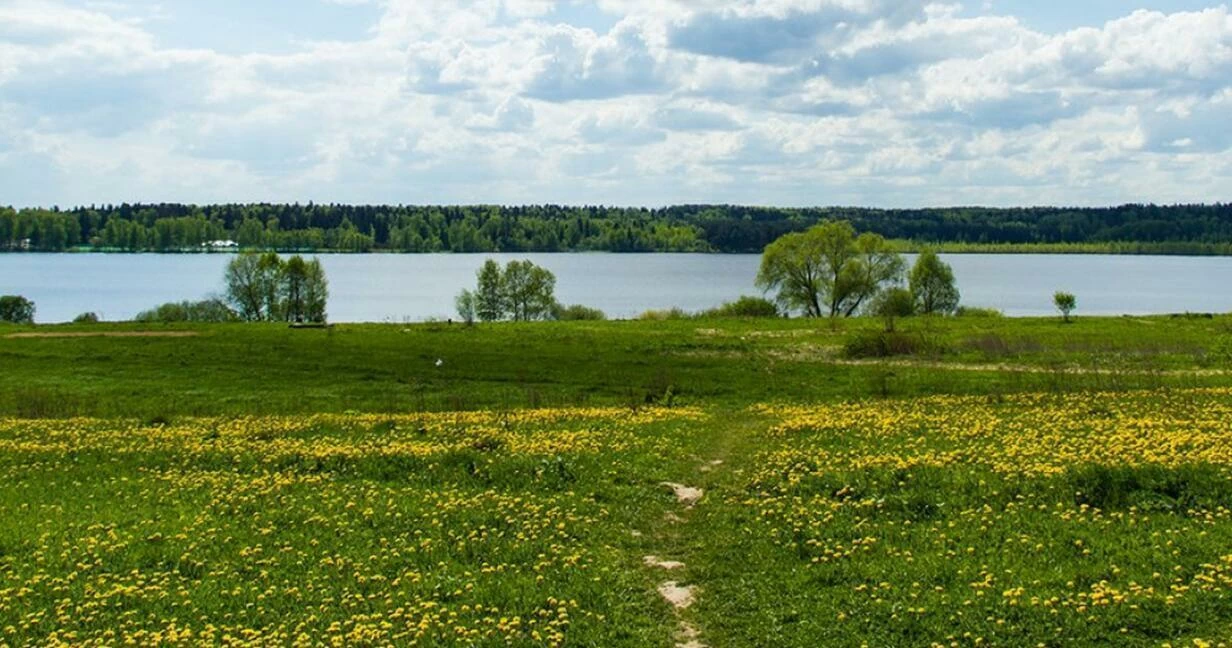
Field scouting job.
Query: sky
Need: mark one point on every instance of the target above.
(882, 103)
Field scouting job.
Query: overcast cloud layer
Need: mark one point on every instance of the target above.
(631, 102)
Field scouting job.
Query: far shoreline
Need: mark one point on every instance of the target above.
(902, 247)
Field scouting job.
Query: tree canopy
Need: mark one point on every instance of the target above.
(265, 288)
(932, 285)
(828, 270)
(521, 291)
(1066, 303)
(174, 227)
(15, 309)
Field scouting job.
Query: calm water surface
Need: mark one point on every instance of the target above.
(388, 287)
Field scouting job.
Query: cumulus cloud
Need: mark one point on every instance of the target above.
(879, 102)
(576, 64)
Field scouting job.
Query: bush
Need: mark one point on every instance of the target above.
(891, 304)
(974, 311)
(745, 307)
(465, 303)
(577, 313)
(209, 310)
(673, 313)
(1066, 303)
(86, 318)
(886, 344)
(16, 309)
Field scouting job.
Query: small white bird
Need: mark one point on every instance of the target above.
(439, 362)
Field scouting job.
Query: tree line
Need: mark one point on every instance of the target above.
(171, 227)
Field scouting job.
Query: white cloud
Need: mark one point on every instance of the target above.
(788, 101)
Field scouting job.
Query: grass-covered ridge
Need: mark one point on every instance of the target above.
(1004, 482)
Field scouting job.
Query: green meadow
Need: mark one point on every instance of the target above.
(963, 481)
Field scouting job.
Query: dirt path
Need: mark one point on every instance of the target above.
(717, 461)
(106, 334)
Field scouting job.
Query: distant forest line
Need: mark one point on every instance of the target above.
(1127, 229)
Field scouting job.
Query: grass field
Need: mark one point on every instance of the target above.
(1006, 482)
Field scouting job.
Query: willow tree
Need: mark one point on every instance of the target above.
(828, 270)
(875, 265)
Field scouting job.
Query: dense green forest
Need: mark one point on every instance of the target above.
(1177, 229)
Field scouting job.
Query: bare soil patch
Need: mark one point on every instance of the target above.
(686, 495)
(679, 597)
(669, 565)
(687, 636)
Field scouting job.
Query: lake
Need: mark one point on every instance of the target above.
(398, 288)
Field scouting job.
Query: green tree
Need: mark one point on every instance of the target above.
(795, 266)
(933, 286)
(828, 270)
(465, 303)
(1066, 303)
(529, 290)
(272, 281)
(244, 279)
(489, 297)
(253, 286)
(874, 265)
(295, 289)
(250, 234)
(16, 309)
(316, 292)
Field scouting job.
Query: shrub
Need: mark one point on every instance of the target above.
(886, 344)
(975, 311)
(209, 310)
(86, 318)
(673, 313)
(465, 303)
(577, 313)
(745, 307)
(891, 304)
(16, 309)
